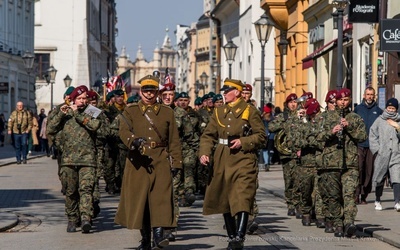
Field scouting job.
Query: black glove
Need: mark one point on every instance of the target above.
(138, 143)
(175, 171)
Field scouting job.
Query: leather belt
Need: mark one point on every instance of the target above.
(223, 141)
(154, 144)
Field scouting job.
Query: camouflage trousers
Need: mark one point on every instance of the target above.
(114, 166)
(99, 173)
(292, 192)
(310, 199)
(187, 184)
(79, 184)
(176, 182)
(337, 189)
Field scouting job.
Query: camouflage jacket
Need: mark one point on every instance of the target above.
(354, 133)
(286, 121)
(205, 119)
(195, 119)
(20, 118)
(185, 128)
(114, 133)
(78, 133)
(112, 112)
(305, 141)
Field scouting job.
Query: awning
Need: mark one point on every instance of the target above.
(308, 61)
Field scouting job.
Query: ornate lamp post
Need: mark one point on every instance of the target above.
(340, 6)
(263, 28)
(50, 79)
(67, 81)
(215, 69)
(230, 52)
(28, 59)
(204, 81)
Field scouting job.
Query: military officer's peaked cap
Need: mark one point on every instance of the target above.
(149, 82)
(232, 83)
(118, 92)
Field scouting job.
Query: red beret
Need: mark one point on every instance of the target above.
(168, 87)
(331, 95)
(313, 108)
(343, 93)
(267, 109)
(78, 91)
(310, 102)
(248, 87)
(92, 96)
(291, 97)
(308, 95)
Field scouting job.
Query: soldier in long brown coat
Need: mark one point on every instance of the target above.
(239, 132)
(149, 131)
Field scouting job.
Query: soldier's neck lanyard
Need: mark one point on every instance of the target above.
(154, 127)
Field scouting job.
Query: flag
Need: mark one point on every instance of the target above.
(167, 78)
(125, 79)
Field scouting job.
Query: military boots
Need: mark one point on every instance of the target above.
(145, 243)
(71, 228)
(159, 241)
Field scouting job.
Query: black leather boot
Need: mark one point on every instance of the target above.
(306, 220)
(329, 227)
(145, 243)
(230, 225)
(159, 240)
(242, 219)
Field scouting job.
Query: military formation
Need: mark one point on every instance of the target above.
(319, 152)
(159, 154)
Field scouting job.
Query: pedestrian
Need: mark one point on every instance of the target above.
(43, 137)
(77, 130)
(20, 125)
(384, 138)
(40, 118)
(369, 112)
(149, 130)
(33, 140)
(338, 172)
(284, 123)
(2, 129)
(239, 131)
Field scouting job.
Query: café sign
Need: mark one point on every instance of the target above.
(390, 35)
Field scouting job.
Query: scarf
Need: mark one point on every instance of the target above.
(393, 116)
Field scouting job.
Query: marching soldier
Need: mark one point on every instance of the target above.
(239, 131)
(247, 93)
(306, 148)
(149, 130)
(114, 169)
(218, 101)
(78, 167)
(342, 130)
(286, 121)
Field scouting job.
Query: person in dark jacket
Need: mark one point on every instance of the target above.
(369, 111)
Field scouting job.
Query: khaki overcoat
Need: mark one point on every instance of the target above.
(148, 177)
(233, 184)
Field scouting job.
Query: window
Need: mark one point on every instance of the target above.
(43, 63)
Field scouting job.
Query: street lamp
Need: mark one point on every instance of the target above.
(263, 28)
(28, 59)
(50, 79)
(67, 81)
(340, 6)
(230, 51)
(215, 69)
(204, 79)
(283, 44)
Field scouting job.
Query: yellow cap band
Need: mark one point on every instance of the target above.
(234, 85)
(148, 82)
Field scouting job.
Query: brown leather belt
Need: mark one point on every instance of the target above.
(154, 144)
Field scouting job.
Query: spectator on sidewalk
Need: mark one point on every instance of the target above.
(369, 111)
(41, 117)
(19, 125)
(33, 140)
(44, 142)
(384, 138)
(2, 129)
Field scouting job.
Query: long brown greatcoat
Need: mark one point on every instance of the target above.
(233, 184)
(148, 177)
(35, 129)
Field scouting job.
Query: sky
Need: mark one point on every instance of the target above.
(143, 22)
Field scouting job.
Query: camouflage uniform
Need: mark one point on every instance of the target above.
(337, 182)
(305, 140)
(115, 161)
(77, 133)
(185, 185)
(202, 171)
(287, 122)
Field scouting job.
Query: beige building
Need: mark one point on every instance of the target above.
(163, 57)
